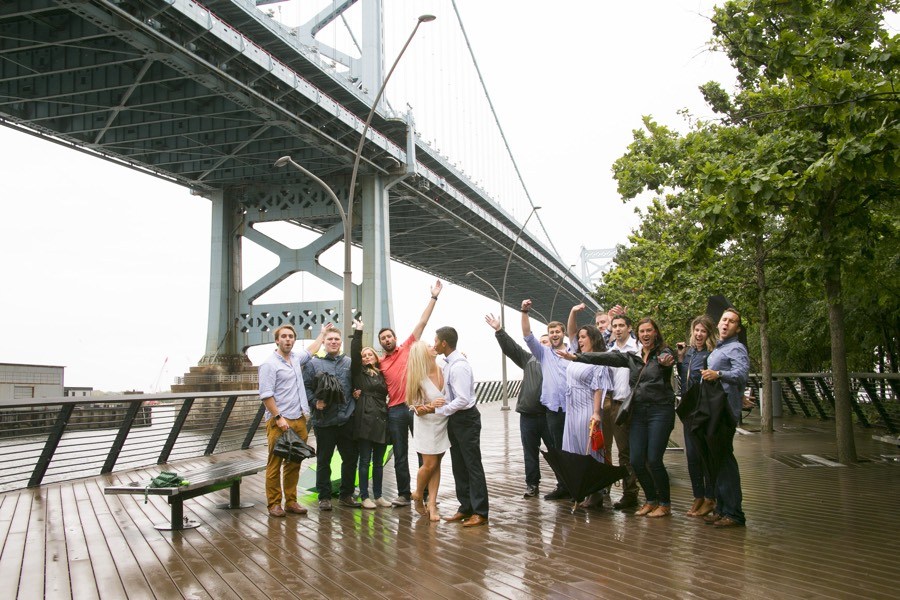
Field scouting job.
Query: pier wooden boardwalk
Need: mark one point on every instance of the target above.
(812, 532)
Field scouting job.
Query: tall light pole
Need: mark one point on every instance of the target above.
(512, 251)
(347, 216)
(502, 356)
(562, 277)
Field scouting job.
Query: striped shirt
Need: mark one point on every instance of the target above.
(553, 369)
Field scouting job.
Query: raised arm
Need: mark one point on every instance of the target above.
(526, 322)
(514, 351)
(572, 325)
(356, 350)
(419, 329)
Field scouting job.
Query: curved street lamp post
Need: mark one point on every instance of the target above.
(347, 216)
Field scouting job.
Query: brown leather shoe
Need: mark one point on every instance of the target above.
(645, 510)
(475, 521)
(727, 522)
(711, 518)
(276, 511)
(457, 517)
(293, 507)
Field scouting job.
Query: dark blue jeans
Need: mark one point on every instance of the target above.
(370, 453)
(702, 484)
(728, 486)
(651, 424)
(399, 426)
(556, 424)
(533, 428)
(327, 439)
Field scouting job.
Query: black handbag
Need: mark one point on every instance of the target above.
(625, 409)
(293, 449)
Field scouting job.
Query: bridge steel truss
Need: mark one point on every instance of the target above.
(209, 97)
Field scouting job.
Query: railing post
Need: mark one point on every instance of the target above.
(254, 426)
(220, 426)
(876, 402)
(176, 431)
(121, 436)
(43, 463)
(811, 392)
(797, 396)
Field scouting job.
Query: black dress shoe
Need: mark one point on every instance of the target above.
(558, 494)
(531, 491)
(626, 502)
(348, 501)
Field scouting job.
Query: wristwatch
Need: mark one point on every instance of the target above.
(277, 417)
(719, 374)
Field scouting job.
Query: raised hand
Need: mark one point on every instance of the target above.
(436, 288)
(357, 324)
(526, 305)
(578, 307)
(493, 321)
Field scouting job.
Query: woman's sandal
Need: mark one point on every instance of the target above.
(661, 511)
(707, 507)
(645, 510)
(698, 502)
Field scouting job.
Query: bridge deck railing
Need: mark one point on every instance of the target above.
(874, 397)
(55, 439)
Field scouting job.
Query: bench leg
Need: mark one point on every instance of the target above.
(177, 521)
(234, 497)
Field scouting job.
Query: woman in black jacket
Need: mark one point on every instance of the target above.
(652, 411)
(369, 418)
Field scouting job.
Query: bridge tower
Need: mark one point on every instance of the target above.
(236, 321)
(594, 263)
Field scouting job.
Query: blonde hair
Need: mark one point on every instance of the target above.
(417, 367)
(711, 333)
(377, 364)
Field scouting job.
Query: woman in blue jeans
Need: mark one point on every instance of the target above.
(370, 426)
(691, 361)
(652, 411)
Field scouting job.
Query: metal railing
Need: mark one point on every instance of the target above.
(55, 439)
(874, 397)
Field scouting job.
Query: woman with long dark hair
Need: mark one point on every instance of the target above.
(369, 417)
(692, 360)
(652, 411)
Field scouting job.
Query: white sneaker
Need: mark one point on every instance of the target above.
(367, 503)
(383, 503)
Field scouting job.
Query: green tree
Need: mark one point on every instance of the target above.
(804, 159)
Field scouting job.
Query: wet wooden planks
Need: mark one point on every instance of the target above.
(812, 533)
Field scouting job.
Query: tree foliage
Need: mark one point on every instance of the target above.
(797, 182)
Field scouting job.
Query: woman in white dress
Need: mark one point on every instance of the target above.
(424, 385)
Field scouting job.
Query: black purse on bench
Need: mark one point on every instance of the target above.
(293, 449)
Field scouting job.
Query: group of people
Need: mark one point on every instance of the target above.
(568, 391)
(383, 399)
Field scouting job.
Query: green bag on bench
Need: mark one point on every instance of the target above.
(165, 479)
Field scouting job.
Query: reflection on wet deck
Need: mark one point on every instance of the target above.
(813, 532)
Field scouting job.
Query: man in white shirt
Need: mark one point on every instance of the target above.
(464, 430)
(621, 341)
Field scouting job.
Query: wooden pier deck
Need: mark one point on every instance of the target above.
(812, 532)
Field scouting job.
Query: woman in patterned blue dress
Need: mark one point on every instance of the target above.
(586, 389)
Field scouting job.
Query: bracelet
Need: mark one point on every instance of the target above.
(434, 297)
(524, 311)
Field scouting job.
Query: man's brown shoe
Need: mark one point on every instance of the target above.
(457, 517)
(475, 521)
(711, 518)
(276, 511)
(293, 507)
(727, 522)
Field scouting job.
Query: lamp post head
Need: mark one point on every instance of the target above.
(427, 18)
(535, 208)
(470, 273)
(283, 161)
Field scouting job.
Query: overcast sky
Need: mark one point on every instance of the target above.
(105, 271)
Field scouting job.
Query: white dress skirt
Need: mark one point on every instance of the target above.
(430, 431)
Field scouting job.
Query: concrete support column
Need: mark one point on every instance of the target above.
(224, 285)
(376, 283)
(372, 46)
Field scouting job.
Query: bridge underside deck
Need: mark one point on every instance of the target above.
(813, 532)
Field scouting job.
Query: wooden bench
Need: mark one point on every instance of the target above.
(200, 481)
